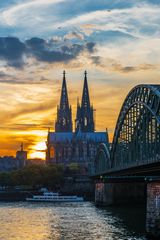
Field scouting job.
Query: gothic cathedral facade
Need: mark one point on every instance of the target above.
(65, 146)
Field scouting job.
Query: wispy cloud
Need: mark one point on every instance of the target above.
(137, 18)
(137, 21)
(20, 10)
(74, 35)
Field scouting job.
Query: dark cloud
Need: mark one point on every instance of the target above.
(128, 69)
(74, 49)
(96, 60)
(12, 50)
(117, 67)
(3, 74)
(52, 56)
(43, 51)
(15, 52)
(43, 79)
(90, 46)
(36, 44)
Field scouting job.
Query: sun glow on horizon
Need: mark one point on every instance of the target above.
(38, 151)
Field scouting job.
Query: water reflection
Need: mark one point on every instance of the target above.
(69, 221)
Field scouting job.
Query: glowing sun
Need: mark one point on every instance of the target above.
(39, 151)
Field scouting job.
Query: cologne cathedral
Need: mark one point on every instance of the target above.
(66, 145)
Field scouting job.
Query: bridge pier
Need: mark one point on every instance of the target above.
(104, 194)
(119, 193)
(133, 192)
(153, 210)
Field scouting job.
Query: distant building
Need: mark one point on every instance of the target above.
(21, 157)
(10, 163)
(65, 146)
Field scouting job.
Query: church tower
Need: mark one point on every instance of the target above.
(85, 116)
(64, 111)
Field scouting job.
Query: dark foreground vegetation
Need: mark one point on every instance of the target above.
(34, 176)
(69, 180)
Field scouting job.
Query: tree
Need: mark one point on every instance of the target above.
(34, 176)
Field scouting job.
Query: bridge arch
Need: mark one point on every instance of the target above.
(136, 138)
(102, 161)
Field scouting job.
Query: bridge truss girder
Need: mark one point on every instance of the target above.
(137, 134)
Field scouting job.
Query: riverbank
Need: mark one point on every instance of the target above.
(75, 185)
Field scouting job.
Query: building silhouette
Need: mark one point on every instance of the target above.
(10, 163)
(64, 111)
(21, 157)
(84, 118)
(66, 146)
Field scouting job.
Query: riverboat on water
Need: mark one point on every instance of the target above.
(54, 197)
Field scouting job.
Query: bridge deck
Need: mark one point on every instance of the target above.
(143, 170)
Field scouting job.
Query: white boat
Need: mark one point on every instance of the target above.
(54, 197)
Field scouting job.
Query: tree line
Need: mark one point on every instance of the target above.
(34, 176)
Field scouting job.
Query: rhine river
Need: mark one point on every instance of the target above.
(71, 221)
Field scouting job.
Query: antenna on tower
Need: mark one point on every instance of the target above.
(64, 73)
(94, 118)
(21, 146)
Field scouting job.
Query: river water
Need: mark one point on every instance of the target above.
(71, 221)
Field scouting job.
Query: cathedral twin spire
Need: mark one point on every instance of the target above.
(64, 111)
(84, 117)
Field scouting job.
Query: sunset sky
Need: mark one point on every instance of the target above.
(116, 41)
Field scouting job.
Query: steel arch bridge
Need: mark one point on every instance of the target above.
(102, 161)
(136, 140)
